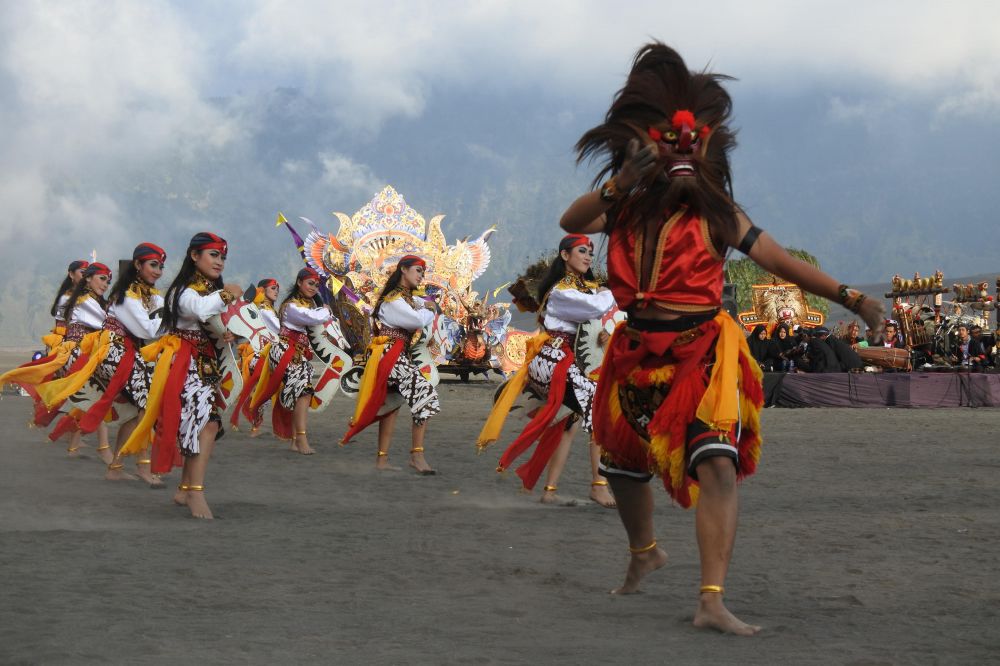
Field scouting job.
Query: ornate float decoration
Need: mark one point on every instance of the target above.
(467, 336)
(779, 303)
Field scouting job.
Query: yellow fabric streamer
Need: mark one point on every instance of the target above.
(52, 339)
(96, 345)
(265, 375)
(162, 351)
(375, 351)
(36, 374)
(719, 407)
(515, 385)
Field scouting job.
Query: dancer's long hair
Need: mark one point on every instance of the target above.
(658, 85)
(65, 287)
(172, 298)
(82, 286)
(121, 285)
(392, 283)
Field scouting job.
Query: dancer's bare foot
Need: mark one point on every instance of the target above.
(639, 566)
(301, 445)
(254, 433)
(713, 614)
(196, 502)
(116, 472)
(418, 463)
(599, 493)
(153, 480)
(181, 496)
(382, 463)
(549, 496)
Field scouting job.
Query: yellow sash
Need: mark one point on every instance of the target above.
(515, 385)
(96, 345)
(162, 351)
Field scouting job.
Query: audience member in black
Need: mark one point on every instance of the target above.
(819, 356)
(846, 356)
(784, 343)
(762, 349)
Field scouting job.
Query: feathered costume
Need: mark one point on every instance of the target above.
(550, 372)
(672, 392)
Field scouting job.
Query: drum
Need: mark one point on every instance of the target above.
(886, 357)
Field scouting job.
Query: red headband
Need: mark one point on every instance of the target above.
(208, 241)
(574, 240)
(98, 268)
(268, 282)
(147, 251)
(409, 260)
(307, 273)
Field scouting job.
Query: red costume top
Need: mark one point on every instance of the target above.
(686, 275)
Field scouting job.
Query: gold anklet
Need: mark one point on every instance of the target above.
(300, 432)
(550, 489)
(198, 488)
(183, 486)
(598, 483)
(103, 448)
(500, 469)
(73, 449)
(115, 466)
(147, 461)
(381, 454)
(417, 449)
(714, 589)
(644, 549)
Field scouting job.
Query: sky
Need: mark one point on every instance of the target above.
(867, 130)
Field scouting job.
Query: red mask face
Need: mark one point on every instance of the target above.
(678, 142)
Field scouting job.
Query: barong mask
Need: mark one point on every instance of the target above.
(685, 115)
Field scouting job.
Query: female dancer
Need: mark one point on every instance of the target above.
(289, 372)
(265, 297)
(30, 374)
(397, 316)
(569, 296)
(84, 314)
(182, 393)
(114, 358)
(134, 315)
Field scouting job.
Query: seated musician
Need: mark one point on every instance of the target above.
(970, 351)
(893, 337)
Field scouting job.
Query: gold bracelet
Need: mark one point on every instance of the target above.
(714, 589)
(644, 549)
(609, 191)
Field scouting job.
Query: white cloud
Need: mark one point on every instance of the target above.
(343, 173)
(378, 60)
(93, 90)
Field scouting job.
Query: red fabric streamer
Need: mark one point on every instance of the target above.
(93, 417)
(166, 454)
(245, 395)
(531, 470)
(377, 399)
(542, 418)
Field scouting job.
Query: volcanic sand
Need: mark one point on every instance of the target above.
(866, 537)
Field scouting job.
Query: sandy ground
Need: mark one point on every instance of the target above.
(867, 537)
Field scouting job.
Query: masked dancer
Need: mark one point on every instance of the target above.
(185, 382)
(569, 296)
(287, 376)
(397, 316)
(679, 394)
